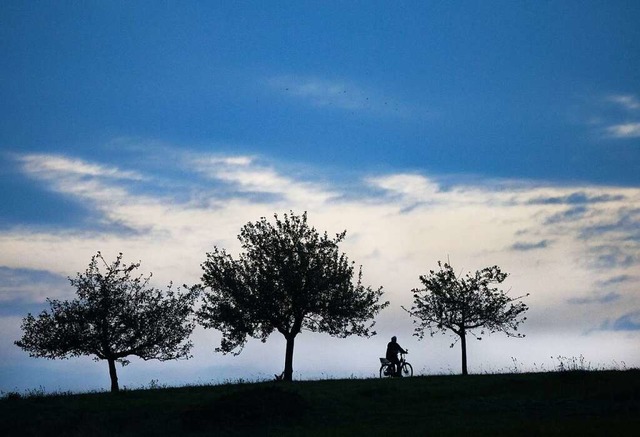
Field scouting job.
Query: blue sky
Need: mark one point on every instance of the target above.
(490, 132)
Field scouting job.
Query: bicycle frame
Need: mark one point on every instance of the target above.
(387, 368)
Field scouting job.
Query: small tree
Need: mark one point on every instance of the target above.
(289, 278)
(465, 304)
(114, 316)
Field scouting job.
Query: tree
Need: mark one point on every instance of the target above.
(289, 278)
(465, 304)
(115, 315)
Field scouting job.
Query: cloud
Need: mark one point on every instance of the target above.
(47, 165)
(411, 188)
(624, 225)
(188, 221)
(321, 92)
(568, 215)
(577, 198)
(616, 116)
(616, 280)
(626, 101)
(601, 299)
(339, 94)
(627, 322)
(624, 130)
(608, 256)
(631, 128)
(25, 285)
(490, 215)
(246, 175)
(77, 178)
(523, 246)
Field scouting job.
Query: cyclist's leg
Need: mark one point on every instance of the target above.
(396, 366)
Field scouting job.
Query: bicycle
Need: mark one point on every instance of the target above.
(387, 368)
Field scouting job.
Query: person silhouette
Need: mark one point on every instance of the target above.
(393, 349)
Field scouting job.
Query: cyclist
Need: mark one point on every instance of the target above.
(393, 349)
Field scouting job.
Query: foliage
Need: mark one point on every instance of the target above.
(115, 315)
(289, 278)
(572, 364)
(463, 305)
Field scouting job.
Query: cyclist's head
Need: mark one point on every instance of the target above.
(393, 339)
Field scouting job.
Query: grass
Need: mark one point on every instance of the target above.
(552, 403)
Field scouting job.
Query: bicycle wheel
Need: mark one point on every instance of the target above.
(384, 372)
(407, 370)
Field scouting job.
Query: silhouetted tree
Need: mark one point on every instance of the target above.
(289, 278)
(465, 304)
(114, 316)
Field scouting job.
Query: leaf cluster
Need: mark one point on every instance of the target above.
(289, 277)
(465, 304)
(114, 315)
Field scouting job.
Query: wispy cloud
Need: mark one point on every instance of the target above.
(624, 121)
(99, 187)
(46, 165)
(204, 163)
(616, 280)
(626, 101)
(610, 256)
(624, 225)
(569, 214)
(577, 198)
(613, 116)
(246, 175)
(525, 246)
(340, 94)
(625, 130)
(627, 322)
(321, 92)
(600, 298)
(408, 187)
(30, 285)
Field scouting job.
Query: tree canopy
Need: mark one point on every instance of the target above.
(289, 278)
(115, 315)
(465, 304)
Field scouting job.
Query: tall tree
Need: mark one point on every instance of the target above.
(288, 278)
(115, 315)
(465, 304)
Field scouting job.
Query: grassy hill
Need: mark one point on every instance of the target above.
(559, 403)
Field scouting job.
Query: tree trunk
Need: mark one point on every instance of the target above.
(113, 375)
(463, 344)
(288, 358)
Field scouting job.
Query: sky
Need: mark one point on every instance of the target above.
(479, 132)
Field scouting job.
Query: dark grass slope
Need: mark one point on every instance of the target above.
(563, 403)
